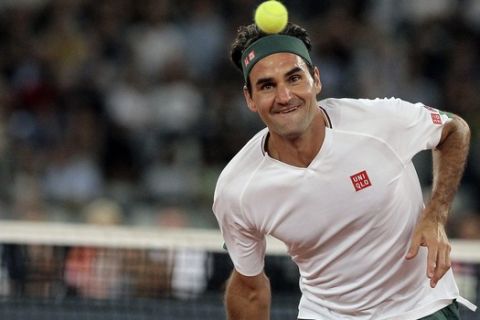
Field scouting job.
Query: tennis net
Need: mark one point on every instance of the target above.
(70, 271)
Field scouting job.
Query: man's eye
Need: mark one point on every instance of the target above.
(266, 86)
(295, 78)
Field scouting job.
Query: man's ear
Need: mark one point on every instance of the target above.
(317, 81)
(249, 100)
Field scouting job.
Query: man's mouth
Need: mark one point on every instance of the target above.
(288, 110)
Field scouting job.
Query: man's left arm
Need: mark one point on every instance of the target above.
(449, 160)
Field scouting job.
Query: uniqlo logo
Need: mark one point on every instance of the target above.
(249, 58)
(436, 119)
(361, 180)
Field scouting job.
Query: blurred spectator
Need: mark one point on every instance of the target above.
(103, 212)
(205, 36)
(94, 272)
(155, 40)
(190, 266)
(466, 226)
(33, 271)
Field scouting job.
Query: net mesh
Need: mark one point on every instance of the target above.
(57, 271)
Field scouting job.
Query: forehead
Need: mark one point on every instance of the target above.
(277, 64)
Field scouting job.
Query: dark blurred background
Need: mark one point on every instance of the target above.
(125, 111)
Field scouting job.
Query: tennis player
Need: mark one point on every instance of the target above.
(334, 181)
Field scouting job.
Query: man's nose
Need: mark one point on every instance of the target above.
(283, 93)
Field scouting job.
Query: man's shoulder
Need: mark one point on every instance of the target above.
(348, 113)
(367, 105)
(244, 162)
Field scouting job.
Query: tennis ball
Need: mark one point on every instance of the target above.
(271, 16)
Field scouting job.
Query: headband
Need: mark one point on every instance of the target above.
(268, 45)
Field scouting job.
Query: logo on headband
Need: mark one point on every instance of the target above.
(249, 58)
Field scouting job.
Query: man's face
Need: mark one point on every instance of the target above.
(284, 94)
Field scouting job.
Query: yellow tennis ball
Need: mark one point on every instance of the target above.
(271, 16)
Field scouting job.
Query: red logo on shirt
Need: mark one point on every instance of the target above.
(360, 180)
(436, 118)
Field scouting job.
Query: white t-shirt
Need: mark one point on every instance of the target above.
(346, 219)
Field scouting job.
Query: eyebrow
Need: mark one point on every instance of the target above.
(289, 73)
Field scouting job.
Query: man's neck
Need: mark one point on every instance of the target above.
(299, 151)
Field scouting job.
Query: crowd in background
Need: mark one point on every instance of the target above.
(135, 103)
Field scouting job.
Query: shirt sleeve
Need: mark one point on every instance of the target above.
(245, 245)
(407, 128)
(416, 127)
